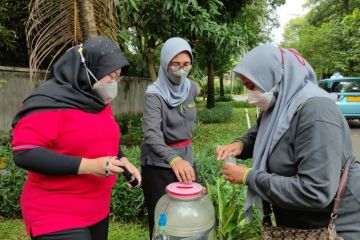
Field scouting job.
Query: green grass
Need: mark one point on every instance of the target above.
(14, 229)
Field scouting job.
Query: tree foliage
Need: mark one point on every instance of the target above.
(13, 50)
(219, 31)
(54, 26)
(328, 36)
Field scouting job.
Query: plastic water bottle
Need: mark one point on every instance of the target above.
(162, 223)
(230, 159)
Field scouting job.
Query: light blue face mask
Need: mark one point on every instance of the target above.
(179, 75)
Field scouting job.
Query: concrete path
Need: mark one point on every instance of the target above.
(355, 135)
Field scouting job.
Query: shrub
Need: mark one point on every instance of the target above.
(130, 128)
(128, 121)
(226, 98)
(11, 183)
(217, 114)
(128, 204)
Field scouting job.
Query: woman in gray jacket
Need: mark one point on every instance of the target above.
(299, 145)
(168, 125)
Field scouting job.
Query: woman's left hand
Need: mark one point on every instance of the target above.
(233, 173)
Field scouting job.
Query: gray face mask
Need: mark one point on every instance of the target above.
(107, 91)
(178, 76)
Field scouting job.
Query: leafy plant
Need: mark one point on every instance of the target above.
(11, 183)
(128, 204)
(228, 200)
(54, 26)
(128, 121)
(131, 128)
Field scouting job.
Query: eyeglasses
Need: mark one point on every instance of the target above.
(176, 66)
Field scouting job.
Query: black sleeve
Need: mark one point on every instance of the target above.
(44, 161)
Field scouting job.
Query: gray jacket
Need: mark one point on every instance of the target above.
(304, 170)
(163, 125)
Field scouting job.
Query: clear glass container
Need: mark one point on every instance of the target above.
(230, 159)
(184, 212)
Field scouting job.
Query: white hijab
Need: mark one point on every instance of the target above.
(268, 66)
(172, 94)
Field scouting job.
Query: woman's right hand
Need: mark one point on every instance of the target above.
(222, 151)
(97, 166)
(183, 171)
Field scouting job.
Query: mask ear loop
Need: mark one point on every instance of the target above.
(82, 59)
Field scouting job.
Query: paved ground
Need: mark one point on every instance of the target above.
(355, 135)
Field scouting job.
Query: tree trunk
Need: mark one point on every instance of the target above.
(346, 7)
(210, 92)
(87, 19)
(149, 55)
(150, 63)
(222, 92)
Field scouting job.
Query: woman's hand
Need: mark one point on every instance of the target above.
(183, 171)
(222, 151)
(102, 166)
(108, 166)
(131, 169)
(234, 173)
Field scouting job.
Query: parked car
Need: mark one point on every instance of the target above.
(347, 93)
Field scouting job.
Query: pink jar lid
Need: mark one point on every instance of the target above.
(185, 190)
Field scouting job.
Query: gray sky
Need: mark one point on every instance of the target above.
(291, 9)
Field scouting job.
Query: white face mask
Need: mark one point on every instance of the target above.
(107, 91)
(264, 101)
(178, 76)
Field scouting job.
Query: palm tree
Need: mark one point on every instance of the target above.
(54, 26)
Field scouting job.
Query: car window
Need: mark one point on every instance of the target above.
(346, 86)
(324, 85)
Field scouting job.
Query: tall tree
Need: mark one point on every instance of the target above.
(54, 26)
(239, 25)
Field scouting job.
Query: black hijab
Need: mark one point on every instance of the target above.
(68, 85)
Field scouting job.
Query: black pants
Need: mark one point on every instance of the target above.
(98, 231)
(154, 182)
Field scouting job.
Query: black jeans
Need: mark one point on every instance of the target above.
(98, 231)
